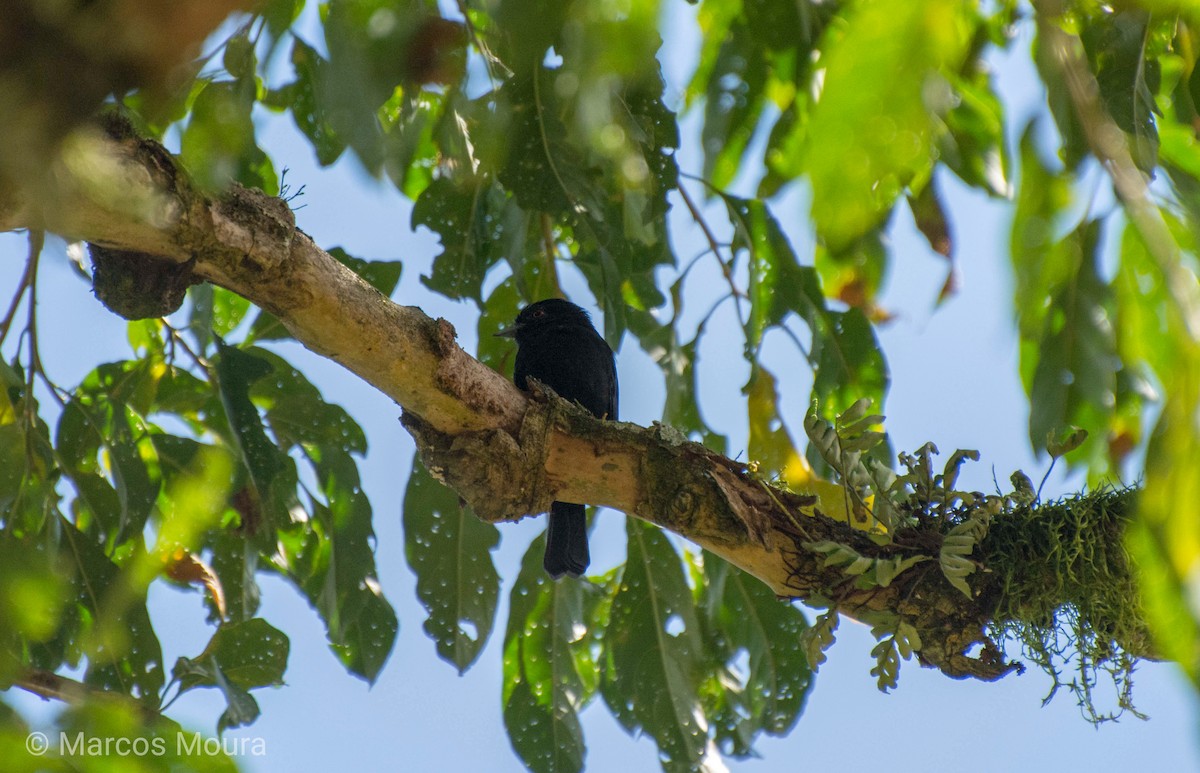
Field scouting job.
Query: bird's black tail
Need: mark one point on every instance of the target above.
(566, 541)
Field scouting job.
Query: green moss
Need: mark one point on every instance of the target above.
(1065, 593)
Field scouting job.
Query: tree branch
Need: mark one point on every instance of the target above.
(506, 454)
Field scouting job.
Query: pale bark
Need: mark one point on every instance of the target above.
(507, 455)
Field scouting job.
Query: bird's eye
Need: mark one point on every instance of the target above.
(538, 313)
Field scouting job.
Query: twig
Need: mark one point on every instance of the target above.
(36, 240)
(726, 268)
(177, 338)
(51, 686)
(1107, 143)
(22, 286)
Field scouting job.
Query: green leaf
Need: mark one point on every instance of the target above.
(526, 29)
(778, 284)
(1073, 147)
(299, 415)
(754, 57)
(1074, 380)
(887, 664)
(734, 102)
(246, 654)
(240, 710)
(266, 327)
(449, 550)
(652, 651)
(422, 132)
(304, 99)
(902, 643)
(383, 275)
(1115, 42)
(1163, 539)
(498, 313)
(271, 472)
(218, 145)
(215, 310)
(549, 671)
(882, 124)
(473, 218)
(360, 622)
(1063, 443)
(113, 624)
(33, 592)
(677, 361)
(844, 353)
(239, 59)
(849, 362)
(614, 200)
(1141, 293)
(235, 560)
(101, 417)
(749, 618)
(329, 554)
(973, 144)
(819, 637)
(279, 14)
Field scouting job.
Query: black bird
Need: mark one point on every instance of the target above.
(557, 345)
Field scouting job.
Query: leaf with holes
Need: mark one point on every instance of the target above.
(449, 550)
(768, 694)
(652, 650)
(549, 671)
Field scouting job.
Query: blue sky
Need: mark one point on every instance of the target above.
(954, 381)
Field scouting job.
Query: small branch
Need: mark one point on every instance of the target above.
(22, 286)
(726, 268)
(48, 685)
(36, 240)
(1109, 145)
(178, 340)
(708, 234)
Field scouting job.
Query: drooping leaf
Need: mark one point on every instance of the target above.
(549, 671)
(768, 676)
(678, 361)
(777, 281)
(1073, 379)
(329, 552)
(650, 674)
(614, 201)
(101, 437)
(304, 99)
(115, 632)
(973, 145)
(883, 124)
(1115, 42)
(271, 474)
(449, 550)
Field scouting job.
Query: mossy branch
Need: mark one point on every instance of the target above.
(509, 455)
